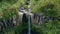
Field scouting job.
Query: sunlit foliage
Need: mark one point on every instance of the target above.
(8, 8)
(49, 6)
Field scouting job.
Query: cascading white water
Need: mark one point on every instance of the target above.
(29, 10)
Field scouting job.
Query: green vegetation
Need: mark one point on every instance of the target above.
(10, 8)
(48, 8)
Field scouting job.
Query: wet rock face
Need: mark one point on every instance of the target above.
(58, 18)
(2, 25)
(24, 18)
(39, 18)
(10, 23)
(51, 18)
(35, 16)
(1, 28)
(6, 23)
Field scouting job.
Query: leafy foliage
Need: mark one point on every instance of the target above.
(48, 7)
(9, 8)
